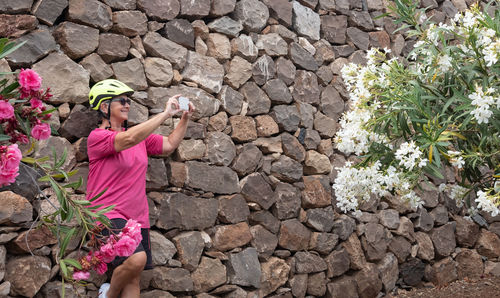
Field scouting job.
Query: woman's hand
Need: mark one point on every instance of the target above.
(172, 106)
(188, 114)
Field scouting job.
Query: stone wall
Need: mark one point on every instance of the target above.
(244, 207)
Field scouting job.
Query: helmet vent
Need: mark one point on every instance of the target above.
(114, 85)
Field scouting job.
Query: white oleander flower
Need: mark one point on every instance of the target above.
(444, 62)
(485, 203)
(410, 156)
(456, 159)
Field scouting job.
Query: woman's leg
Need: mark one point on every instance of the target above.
(126, 277)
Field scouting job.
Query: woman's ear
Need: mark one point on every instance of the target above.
(103, 107)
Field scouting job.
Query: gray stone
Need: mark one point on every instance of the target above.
(48, 11)
(131, 72)
(221, 180)
(247, 160)
(157, 46)
(307, 262)
(190, 149)
(15, 6)
(287, 169)
(97, 68)
(233, 209)
(359, 38)
(121, 4)
(488, 244)
(38, 44)
(160, 10)
(172, 279)
(306, 87)
(342, 287)
(412, 271)
(331, 103)
(305, 21)
(205, 71)
(302, 58)
(400, 247)
(298, 283)
(255, 189)
(156, 176)
(263, 70)
(180, 31)
(226, 25)
(425, 246)
(158, 71)
(162, 249)
(469, 264)
(272, 44)
(187, 213)
(113, 47)
(294, 236)
(320, 219)
(323, 243)
(344, 226)
(292, 147)
(389, 271)
(90, 12)
(269, 146)
(278, 92)
(440, 215)
(253, 14)
(231, 100)
(287, 117)
(258, 102)
(361, 19)
(316, 163)
(280, 10)
(130, 23)
(264, 241)
(220, 148)
(222, 7)
(443, 239)
(287, 201)
(374, 241)
(265, 219)
(334, 28)
(195, 9)
(467, 232)
(356, 255)
(244, 46)
(326, 126)
(189, 246)
(285, 70)
(244, 268)
(424, 221)
(389, 218)
(442, 272)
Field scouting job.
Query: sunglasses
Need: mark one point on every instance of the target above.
(122, 100)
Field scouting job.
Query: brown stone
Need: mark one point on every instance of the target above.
(342, 287)
(469, 264)
(338, 263)
(240, 70)
(293, 235)
(210, 274)
(97, 68)
(266, 126)
(27, 274)
(15, 208)
(368, 281)
(315, 194)
(113, 47)
(247, 160)
(219, 47)
(90, 12)
(443, 272)
(444, 239)
(356, 254)
(30, 240)
(255, 189)
(243, 128)
(488, 244)
(231, 236)
(467, 231)
(130, 23)
(264, 241)
(160, 10)
(16, 25)
(425, 246)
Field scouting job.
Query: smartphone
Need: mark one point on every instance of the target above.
(183, 103)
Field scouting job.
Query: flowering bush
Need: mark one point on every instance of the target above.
(105, 250)
(439, 108)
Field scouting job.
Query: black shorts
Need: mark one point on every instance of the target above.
(117, 224)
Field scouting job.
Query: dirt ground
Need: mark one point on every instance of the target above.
(487, 287)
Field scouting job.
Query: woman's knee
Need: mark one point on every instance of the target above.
(136, 262)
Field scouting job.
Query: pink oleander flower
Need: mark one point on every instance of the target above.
(29, 80)
(9, 164)
(36, 103)
(101, 268)
(133, 230)
(6, 110)
(107, 252)
(79, 275)
(41, 131)
(125, 246)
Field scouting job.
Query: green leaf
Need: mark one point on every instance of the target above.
(4, 137)
(74, 263)
(9, 48)
(75, 185)
(64, 269)
(82, 202)
(97, 196)
(63, 158)
(65, 241)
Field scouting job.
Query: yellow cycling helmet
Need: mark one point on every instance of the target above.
(105, 90)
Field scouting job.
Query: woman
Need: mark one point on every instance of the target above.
(118, 161)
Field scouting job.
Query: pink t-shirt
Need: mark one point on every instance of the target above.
(122, 173)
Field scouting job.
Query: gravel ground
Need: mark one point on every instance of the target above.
(487, 287)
